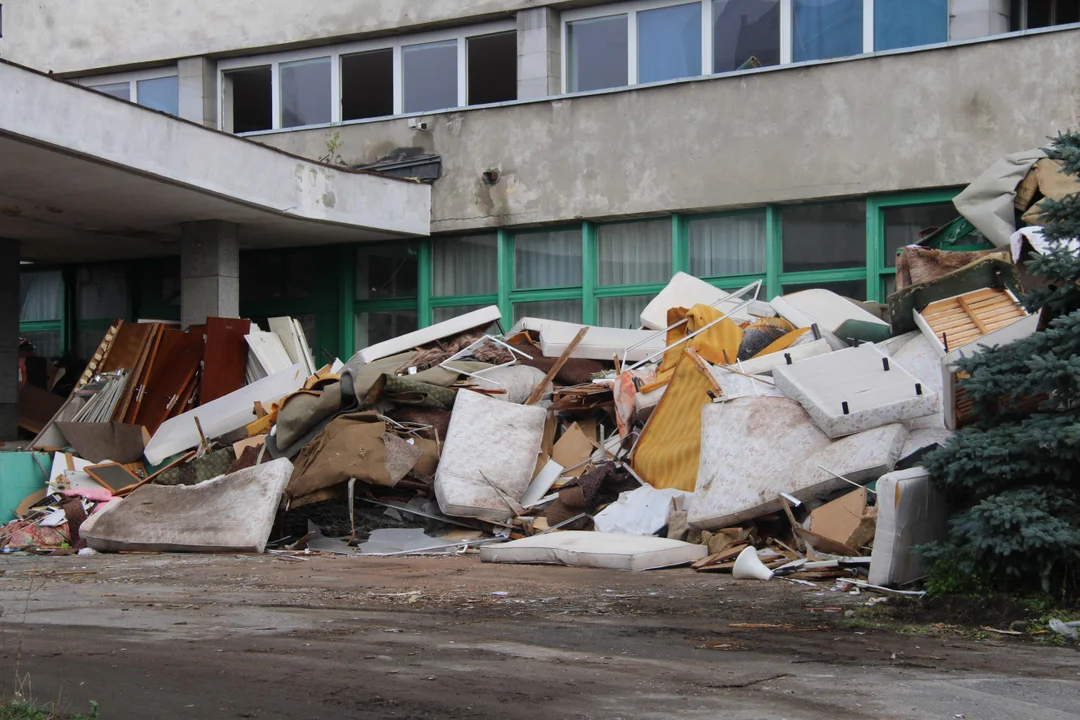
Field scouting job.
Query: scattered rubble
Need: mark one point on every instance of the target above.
(768, 439)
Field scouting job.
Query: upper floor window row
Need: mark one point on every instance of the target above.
(414, 74)
(656, 40)
(155, 89)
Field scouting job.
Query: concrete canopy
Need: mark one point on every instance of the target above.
(85, 176)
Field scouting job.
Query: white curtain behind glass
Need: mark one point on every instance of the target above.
(621, 312)
(565, 310)
(465, 266)
(733, 245)
(41, 296)
(669, 43)
(635, 253)
(547, 260)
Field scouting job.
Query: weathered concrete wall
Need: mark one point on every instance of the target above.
(78, 35)
(925, 119)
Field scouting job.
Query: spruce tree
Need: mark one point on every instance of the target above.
(1013, 479)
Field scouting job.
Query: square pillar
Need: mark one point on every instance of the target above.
(539, 53)
(971, 19)
(10, 305)
(198, 90)
(209, 271)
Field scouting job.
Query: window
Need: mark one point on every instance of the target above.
(117, 90)
(465, 266)
(823, 29)
(154, 89)
(826, 236)
(386, 271)
(305, 92)
(367, 84)
(728, 245)
(278, 275)
(492, 68)
(905, 225)
(621, 312)
(597, 54)
(377, 327)
(564, 310)
(634, 253)
(249, 102)
(547, 259)
(1033, 14)
(41, 311)
(744, 30)
(910, 23)
(101, 296)
(854, 289)
(431, 73)
(669, 43)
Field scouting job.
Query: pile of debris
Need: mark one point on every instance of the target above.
(729, 433)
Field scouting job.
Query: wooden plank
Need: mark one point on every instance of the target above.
(974, 318)
(175, 373)
(225, 357)
(169, 340)
(127, 347)
(137, 375)
(538, 392)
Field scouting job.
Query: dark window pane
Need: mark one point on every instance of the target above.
(386, 271)
(101, 292)
(117, 90)
(547, 259)
(430, 76)
(47, 343)
(732, 245)
(854, 289)
(282, 275)
(442, 314)
(465, 266)
(493, 68)
(376, 327)
(905, 225)
(564, 310)
(823, 237)
(160, 94)
(367, 85)
(634, 253)
(827, 29)
(743, 29)
(1039, 13)
(598, 53)
(305, 92)
(1068, 11)
(669, 43)
(248, 100)
(910, 23)
(621, 312)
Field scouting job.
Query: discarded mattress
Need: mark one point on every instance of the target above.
(911, 512)
(517, 382)
(476, 319)
(857, 389)
(488, 457)
(232, 513)
(754, 448)
(686, 291)
(823, 308)
(222, 416)
(600, 343)
(765, 364)
(595, 550)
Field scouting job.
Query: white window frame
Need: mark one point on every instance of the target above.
(335, 53)
(131, 78)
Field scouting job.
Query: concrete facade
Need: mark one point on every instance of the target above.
(9, 339)
(209, 271)
(539, 53)
(197, 80)
(924, 119)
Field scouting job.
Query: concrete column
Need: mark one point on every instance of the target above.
(9, 339)
(970, 19)
(198, 90)
(539, 53)
(209, 271)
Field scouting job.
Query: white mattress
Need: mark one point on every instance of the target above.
(476, 319)
(595, 550)
(911, 512)
(490, 444)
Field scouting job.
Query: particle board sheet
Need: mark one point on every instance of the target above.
(225, 357)
(170, 376)
(962, 320)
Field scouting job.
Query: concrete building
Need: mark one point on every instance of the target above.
(574, 154)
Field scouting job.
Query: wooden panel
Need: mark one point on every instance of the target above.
(172, 375)
(226, 358)
(168, 341)
(962, 320)
(127, 347)
(137, 375)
